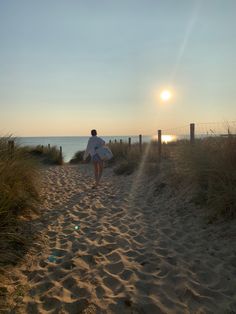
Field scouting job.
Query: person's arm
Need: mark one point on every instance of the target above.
(102, 142)
(87, 151)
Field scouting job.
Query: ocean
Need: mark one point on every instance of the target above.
(71, 144)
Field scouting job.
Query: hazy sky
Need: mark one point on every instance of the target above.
(67, 66)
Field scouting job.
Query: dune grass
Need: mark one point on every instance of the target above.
(19, 198)
(18, 191)
(127, 158)
(211, 165)
(44, 154)
(78, 158)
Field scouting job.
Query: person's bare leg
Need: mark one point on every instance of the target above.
(100, 165)
(96, 172)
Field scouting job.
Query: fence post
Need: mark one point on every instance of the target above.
(192, 133)
(120, 141)
(115, 141)
(140, 143)
(60, 156)
(11, 147)
(49, 147)
(129, 142)
(159, 144)
(109, 141)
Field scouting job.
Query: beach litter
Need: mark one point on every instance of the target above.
(52, 259)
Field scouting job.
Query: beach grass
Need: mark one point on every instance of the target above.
(128, 158)
(46, 155)
(78, 158)
(210, 164)
(125, 158)
(18, 192)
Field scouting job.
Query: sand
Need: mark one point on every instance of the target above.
(134, 245)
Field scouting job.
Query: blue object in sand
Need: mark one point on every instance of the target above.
(52, 259)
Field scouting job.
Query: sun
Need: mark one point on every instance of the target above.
(165, 95)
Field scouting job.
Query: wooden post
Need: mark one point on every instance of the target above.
(60, 156)
(109, 141)
(192, 133)
(159, 144)
(49, 147)
(120, 141)
(11, 147)
(115, 141)
(129, 142)
(140, 143)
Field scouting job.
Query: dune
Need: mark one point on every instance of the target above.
(134, 245)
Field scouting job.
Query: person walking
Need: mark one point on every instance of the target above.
(94, 143)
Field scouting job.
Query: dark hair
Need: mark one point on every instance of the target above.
(93, 132)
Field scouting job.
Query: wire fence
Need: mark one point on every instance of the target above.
(202, 130)
(187, 132)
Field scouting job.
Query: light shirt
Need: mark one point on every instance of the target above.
(94, 142)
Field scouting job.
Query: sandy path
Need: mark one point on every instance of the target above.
(125, 248)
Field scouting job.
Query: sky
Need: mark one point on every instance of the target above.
(68, 66)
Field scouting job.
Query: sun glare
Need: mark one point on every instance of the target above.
(165, 138)
(165, 95)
